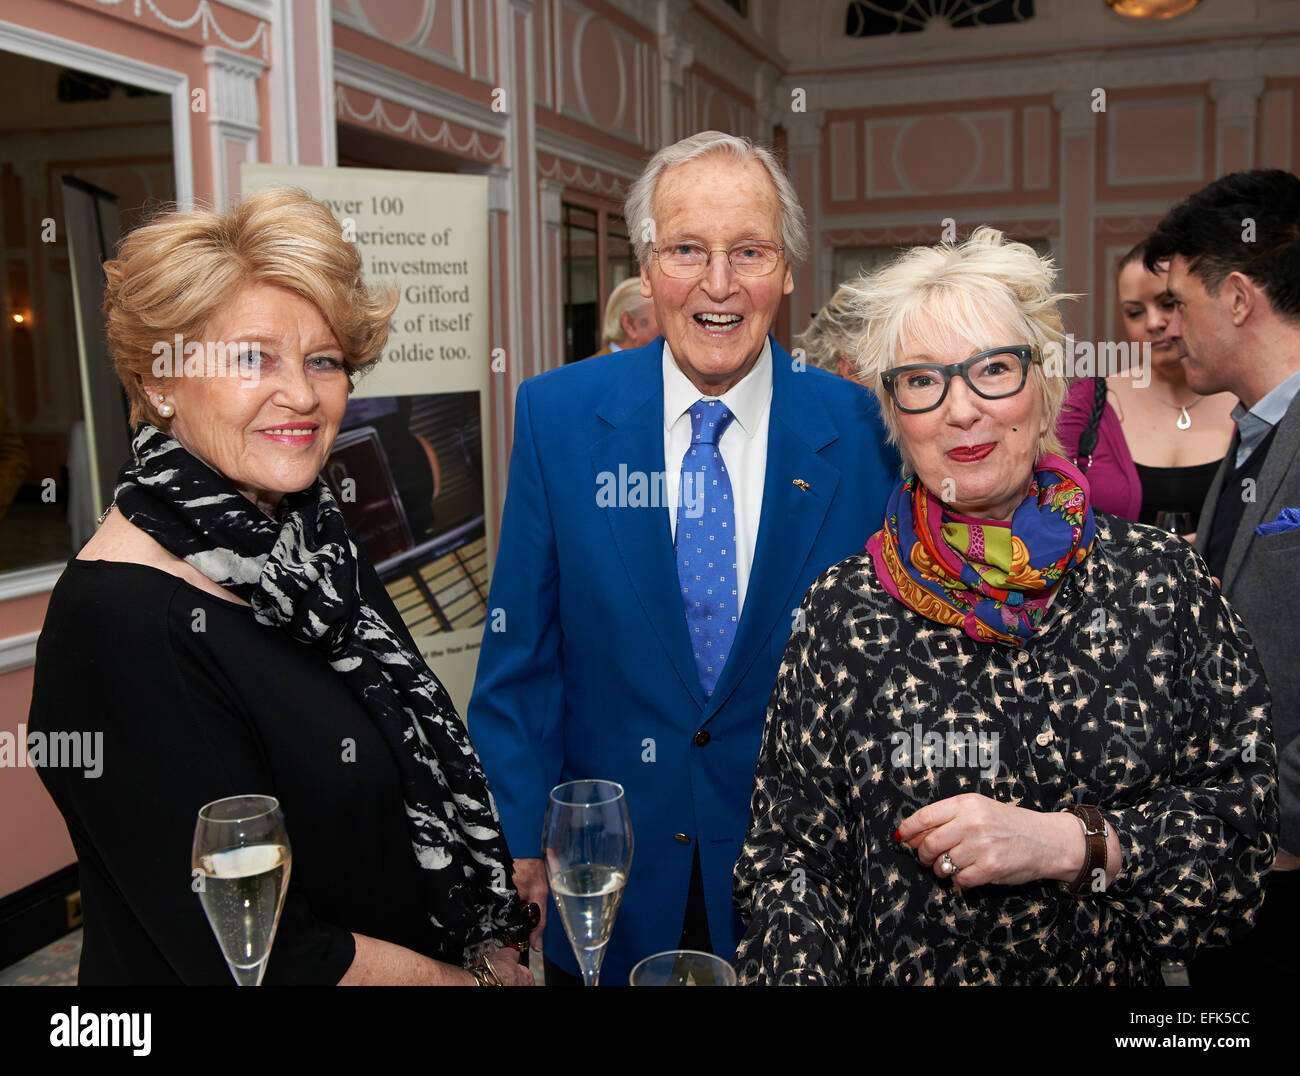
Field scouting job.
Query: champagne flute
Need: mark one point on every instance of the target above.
(683, 967)
(241, 865)
(587, 839)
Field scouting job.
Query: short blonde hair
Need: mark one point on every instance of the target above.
(173, 274)
(831, 333)
(932, 295)
(624, 299)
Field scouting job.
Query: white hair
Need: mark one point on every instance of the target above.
(930, 296)
(639, 208)
(624, 299)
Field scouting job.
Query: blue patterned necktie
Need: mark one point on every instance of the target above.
(706, 543)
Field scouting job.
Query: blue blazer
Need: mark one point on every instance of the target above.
(586, 670)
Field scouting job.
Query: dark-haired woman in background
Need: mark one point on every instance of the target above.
(1110, 424)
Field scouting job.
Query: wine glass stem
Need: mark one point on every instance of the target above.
(590, 976)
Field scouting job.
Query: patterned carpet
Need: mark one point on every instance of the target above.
(55, 965)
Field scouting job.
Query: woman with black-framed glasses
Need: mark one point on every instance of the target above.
(1017, 740)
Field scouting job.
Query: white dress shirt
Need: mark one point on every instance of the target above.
(743, 447)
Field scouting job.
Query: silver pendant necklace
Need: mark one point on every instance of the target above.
(1184, 421)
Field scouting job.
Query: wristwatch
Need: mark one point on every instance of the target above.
(1095, 833)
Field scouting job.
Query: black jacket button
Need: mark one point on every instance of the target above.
(702, 737)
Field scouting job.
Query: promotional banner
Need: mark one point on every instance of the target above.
(409, 464)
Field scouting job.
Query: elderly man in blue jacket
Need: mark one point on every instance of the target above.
(667, 508)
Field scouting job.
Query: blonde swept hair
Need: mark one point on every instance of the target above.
(624, 299)
(930, 296)
(831, 333)
(173, 274)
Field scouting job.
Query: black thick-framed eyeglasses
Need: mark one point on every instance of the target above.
(994, 374)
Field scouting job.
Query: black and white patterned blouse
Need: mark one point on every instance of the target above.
(1140, 694)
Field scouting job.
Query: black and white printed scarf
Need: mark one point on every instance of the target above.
(300, 574)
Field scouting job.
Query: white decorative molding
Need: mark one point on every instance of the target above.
(487, 72)
(25, 581)
(353, 15)
(293, 50)
(576, 177)
(283, 96)
(963, 185)
(568, 56)
(400, 89)
(498, 185)
(232, 89)
(208, 22)
(65, 53)
(233, 113)
(325, 82)
(584, 153)
(1074, 104)
(552, 202)
(1059, 74)
(440, 137)
(18, 652)
(1237, 98)
(1237, 103)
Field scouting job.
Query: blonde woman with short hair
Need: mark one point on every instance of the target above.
(224, 634)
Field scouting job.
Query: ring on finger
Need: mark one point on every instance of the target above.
(947, 865)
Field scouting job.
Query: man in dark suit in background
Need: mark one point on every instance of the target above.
(667, 508)
(1233, 250)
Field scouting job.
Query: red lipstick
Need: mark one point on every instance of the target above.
(971, 454)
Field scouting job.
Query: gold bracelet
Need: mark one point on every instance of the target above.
(484, 973)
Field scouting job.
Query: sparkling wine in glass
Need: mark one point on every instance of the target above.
(683, 967)
(241, 864)
(587, 838)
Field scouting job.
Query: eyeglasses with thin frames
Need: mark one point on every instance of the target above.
(752, 257)
(992, 375)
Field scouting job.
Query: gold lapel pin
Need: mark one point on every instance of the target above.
(802, 484)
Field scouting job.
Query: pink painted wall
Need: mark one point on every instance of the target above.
(1007, 159)
(39, 845)
(33, 840)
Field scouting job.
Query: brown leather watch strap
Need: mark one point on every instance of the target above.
(1095, 853)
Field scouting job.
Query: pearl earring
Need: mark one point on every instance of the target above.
(164, 408)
